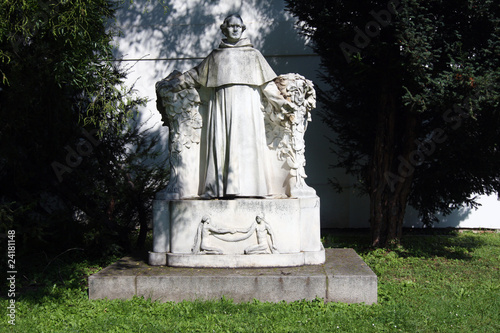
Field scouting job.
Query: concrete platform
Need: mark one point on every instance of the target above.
(344, 277)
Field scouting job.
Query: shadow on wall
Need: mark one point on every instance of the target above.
(175, 30)
(452, 220)
(160, 36)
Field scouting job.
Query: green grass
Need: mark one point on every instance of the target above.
(446, 282)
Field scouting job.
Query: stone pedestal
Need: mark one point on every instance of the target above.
(344, 277)
(291, 235)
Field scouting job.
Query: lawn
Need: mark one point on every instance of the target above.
(432, 282)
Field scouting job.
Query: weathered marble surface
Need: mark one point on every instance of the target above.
(237, 158)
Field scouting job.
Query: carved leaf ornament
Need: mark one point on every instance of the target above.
(286, 128)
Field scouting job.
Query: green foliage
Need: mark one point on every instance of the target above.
(117, 184)
(68, 37)
(447, 282)
(72, 160)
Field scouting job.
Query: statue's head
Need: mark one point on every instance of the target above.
(233, 28)
(205, 219)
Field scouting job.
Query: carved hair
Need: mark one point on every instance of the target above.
(223, 26)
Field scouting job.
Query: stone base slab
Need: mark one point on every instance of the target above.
(235, 261)
(344, 277)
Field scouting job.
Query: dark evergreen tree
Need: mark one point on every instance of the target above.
(413, 101)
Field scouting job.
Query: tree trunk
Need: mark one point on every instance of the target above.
(391, 174)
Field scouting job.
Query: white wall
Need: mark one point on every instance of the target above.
(160, 36)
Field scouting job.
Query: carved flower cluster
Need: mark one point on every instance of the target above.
(285, 128)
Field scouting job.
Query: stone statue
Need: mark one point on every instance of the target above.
(236, 136)
(233, 152)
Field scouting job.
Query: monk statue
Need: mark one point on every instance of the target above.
(236, 141)
(227, 124)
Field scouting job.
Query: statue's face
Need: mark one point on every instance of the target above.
(234, 30)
